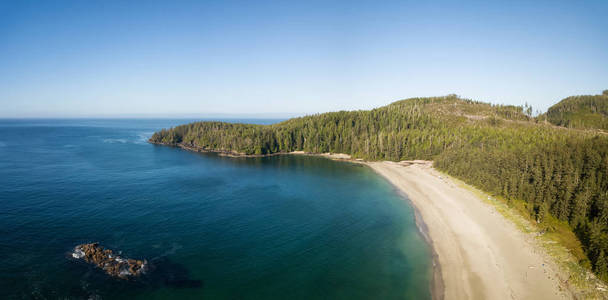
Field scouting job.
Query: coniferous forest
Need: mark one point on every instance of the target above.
(589, 112)
(556, 171)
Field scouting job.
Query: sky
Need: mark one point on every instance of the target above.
(256, 58)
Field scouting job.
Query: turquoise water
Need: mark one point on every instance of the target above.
(282, 227)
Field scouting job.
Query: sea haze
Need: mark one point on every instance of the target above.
(284, 227)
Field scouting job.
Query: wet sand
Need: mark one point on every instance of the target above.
(480, 254)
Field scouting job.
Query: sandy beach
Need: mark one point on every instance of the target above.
(481, 255)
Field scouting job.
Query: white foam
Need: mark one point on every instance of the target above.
(114, 141)
(143, 137)
(125, 272)
(78, 253)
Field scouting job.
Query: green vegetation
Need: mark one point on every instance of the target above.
(554, 236)
(587, 112)
(559, 177)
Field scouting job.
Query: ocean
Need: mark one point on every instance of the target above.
(211, 227)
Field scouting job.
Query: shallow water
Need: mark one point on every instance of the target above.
(212, 227)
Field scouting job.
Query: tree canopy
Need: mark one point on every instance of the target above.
(588, 112)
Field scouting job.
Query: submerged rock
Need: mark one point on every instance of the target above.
(112, 264)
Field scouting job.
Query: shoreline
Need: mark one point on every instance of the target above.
(235, 154)
(480, 255)
(436, 285)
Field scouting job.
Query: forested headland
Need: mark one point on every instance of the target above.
(587, 112)
(558, 173)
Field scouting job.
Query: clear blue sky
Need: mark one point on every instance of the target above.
(171, 58)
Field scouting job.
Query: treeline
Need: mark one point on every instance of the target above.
(566, 177)
(408, 129)
(500, 149)
(581, 112)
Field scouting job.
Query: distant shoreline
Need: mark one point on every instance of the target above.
(230, 153)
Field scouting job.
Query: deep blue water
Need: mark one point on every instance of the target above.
(282, 227)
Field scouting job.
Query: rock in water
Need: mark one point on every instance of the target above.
(112, 264)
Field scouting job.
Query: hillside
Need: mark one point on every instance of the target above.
(407, 129)
(556, 172)
(585, 112)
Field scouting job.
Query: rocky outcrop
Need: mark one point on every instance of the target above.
(111, 263)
